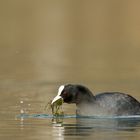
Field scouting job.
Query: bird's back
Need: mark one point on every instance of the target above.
(117, 103)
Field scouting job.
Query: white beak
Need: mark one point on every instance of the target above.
(56, 99)
(58, 95)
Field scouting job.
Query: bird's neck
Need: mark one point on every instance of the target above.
(85, 99)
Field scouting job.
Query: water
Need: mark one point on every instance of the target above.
(45, 44)
(23, 117)
(73, 127)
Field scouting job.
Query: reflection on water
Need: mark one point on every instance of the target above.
(90, 127)
(94, 128)
(48, 43)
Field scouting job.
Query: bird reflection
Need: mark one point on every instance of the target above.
(86, 126)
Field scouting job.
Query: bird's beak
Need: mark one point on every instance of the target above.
(56, 98)
(58, 95)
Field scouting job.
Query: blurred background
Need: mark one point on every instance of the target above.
(92, 42)
(46, 43)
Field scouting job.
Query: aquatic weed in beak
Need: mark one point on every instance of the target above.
(56, 104)
(57, 107)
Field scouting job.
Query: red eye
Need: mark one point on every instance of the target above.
(64, 93)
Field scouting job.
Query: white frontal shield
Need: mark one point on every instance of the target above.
(58, 95)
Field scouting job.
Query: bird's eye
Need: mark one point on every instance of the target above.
(64, 93)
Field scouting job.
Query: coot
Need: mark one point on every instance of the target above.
(106, 103)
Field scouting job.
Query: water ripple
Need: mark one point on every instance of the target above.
(41, 116)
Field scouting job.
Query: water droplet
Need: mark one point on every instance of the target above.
(21, 102)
